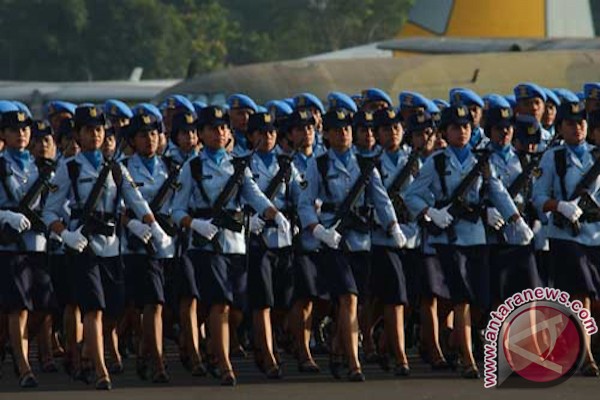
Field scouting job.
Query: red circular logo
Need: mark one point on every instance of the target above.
(542, 344)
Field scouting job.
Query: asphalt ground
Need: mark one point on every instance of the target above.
(422, 384)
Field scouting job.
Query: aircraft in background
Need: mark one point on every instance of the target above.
(483, 45)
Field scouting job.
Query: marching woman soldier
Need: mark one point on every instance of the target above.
(433, 292)
(330, 178)
(184, 135)
(471, 100)
(143, 262)
(208, 203)
(389, 275)
(270, 274)
(309, 281)
(569, 174)
(460, 243)
(26, 284)
(512, 264)
(94, 187)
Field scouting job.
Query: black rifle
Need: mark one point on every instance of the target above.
(394, 189)
(42, 183)
(165, 221)
(221, 217)
(89, 221)
(282, 176)
(457, 205)
(345, 218)
(591, 211)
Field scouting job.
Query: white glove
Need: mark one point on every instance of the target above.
(318, 204)
(256, 224)
(17, 221)
(140, 230)
(282, 223)
(74, 240)
(398, 236)
(296, 230)
(494, 218)
(523, 231)
(569, 209)
(440, 217)
(159, 236)
(204, 227)
(328, 236)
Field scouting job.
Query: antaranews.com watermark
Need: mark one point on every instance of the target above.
(539, 334)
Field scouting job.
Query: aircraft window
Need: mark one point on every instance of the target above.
(433, 15)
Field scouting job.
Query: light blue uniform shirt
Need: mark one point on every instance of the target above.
(547, 187)
(103, 246)
(341, 179)
(18, 181)
(389, 171)
(214, 177)
(426, 190)
(149, 184)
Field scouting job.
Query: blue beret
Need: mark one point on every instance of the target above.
(529, 90)
(59, 106)
(551, 96)
(412, 99)
(494, 100)
(441, 104)
(117, 109)
(565, 95)
(290, 102)
(22, 107)
(432, 108)
(341, 100)
(278, 108)
(465, 96)
(261, 109)
(592, 90)
(147, 108)
(239, 100)
(41, 128)
(198, 105)
(177, 101)
(375, 94)
(7, 106)
(511, 99)
(304, 100)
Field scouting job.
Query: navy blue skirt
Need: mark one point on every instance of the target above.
(270, 278)
(26, 283)
(99, 283)
(388, 280)
(432, 279)
(144, 280)
(347, 273)
(512, 269)
(467, 272)
(222, 278)
(576, 270)
(309, 279)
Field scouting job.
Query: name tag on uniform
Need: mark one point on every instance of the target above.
(334, 176)
(256, 176)
(85, 180)
(139, 184)
(207, 176)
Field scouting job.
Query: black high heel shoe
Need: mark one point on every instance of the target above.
(471, 372)
(336, 363)
(590, 369)
(228, 378)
